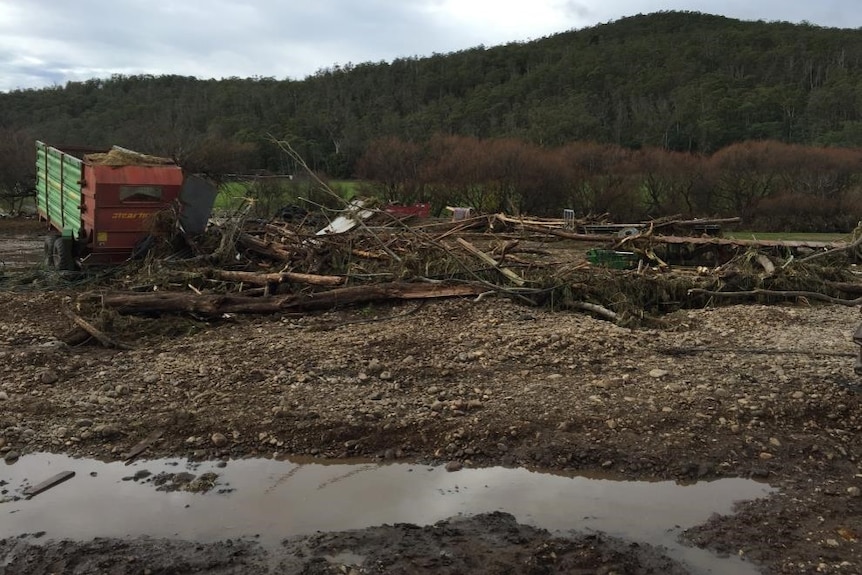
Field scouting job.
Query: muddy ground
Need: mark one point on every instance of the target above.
(491, 543)
(749, 390)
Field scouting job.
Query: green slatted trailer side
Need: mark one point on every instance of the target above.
(59, 179)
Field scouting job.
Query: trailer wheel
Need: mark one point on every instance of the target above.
(64, 259)
(49, 250)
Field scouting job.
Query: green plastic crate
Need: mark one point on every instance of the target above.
(613, 259)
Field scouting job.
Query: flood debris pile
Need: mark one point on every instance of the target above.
(367, 253)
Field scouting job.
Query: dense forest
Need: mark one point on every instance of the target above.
(655, 85)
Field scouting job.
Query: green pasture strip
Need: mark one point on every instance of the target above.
(345, 188)
(230, 195)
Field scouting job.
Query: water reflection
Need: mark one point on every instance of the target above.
(276, 499)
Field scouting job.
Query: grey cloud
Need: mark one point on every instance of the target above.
(44, 42)
(577, 10)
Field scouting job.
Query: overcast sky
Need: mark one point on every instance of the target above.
(49, 42)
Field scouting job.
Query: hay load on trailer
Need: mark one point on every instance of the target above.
(100, 205)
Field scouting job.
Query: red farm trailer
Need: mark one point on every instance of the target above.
(101, 205)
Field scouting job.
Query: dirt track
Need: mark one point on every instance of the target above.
(753, 391)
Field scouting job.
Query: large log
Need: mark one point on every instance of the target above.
(570, 235)
(784, 294)
(273, 250)
(278, 277)
(131, 303)
(92, 331)
(713, 241)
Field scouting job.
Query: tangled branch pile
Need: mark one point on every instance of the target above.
(369, 255)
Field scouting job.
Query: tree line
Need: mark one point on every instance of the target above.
(772, 185)
(681, 81)
(692, 86)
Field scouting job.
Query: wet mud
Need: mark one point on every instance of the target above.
(493, 543)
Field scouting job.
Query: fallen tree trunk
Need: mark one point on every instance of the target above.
(131, 303)
(778, 294)
(846, 287)
(697, 222)
(278, 277)
(272, 250)
(92, 331)
(570, 235)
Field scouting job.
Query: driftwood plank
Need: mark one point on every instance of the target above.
(52, 481)
(143, 445)
(513, 277)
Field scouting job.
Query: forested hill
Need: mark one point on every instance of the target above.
(679, 80)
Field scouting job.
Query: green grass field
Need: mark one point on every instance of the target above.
(231, 194)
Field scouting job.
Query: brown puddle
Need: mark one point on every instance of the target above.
(276, 499)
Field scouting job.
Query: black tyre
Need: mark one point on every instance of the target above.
(49, 250)
(64, 258)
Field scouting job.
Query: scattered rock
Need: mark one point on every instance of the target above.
(658, 373)
(219, 439)
(107, 431)
(854, 492)
(49, 377)
(203, 484)
(454, 466)
(4, 396)
(374, 366)
(142, 474)
(11, 457)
